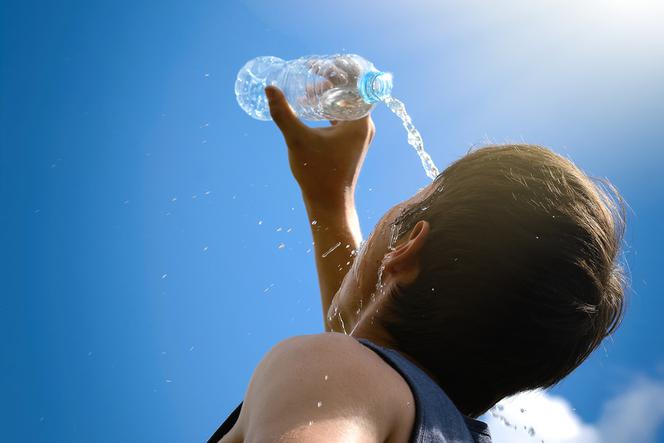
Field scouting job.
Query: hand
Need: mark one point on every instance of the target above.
(326, 162)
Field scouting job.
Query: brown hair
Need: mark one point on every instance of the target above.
(519, 278)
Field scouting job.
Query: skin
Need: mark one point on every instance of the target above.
(375, 404)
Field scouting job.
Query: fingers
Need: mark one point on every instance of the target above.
(294, 130)
(282, 113)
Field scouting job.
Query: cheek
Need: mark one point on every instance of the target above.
(368, 262)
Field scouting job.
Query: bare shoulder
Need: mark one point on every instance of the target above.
(333, 352)
(325, 386)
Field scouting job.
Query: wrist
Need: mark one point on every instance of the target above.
(337, 214)
(329, 202)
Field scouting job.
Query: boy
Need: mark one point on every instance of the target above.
(500, 276)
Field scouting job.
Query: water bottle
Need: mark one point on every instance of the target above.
(327, 87)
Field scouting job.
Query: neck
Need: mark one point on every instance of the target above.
(372, 332)
(376, 334)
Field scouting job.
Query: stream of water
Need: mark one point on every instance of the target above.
(414, 136)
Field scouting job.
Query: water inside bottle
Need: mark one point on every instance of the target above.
(343, 103)
(414, 136)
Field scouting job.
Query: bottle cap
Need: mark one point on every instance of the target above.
(375, 86)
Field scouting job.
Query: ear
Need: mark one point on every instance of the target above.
(402, 265)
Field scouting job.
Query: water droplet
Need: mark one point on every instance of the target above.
(537, 237)
(314, 222)
(289, 230)
(281, 245)
(260, 222)
(308, 250)
(205, 248)
(174, 199)
(311, 423)
(531, 431)
(163, 276)
(279, 229)
(168, 380)
(329, 251)
(319, 404)
(191, 349)
(326, 377)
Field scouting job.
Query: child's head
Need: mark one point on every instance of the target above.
(519, 277)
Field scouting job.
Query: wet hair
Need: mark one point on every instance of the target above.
(520, 277)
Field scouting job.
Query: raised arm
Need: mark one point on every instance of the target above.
(326, 163)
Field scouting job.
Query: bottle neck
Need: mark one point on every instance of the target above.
(375, 86)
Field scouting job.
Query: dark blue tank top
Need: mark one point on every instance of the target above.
(437, 420)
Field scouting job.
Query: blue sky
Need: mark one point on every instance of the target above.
(142, 279)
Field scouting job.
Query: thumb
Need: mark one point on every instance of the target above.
(282, 113)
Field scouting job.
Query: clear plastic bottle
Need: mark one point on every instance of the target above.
(327, 87)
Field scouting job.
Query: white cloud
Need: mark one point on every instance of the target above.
(633, 416)
(551, 418)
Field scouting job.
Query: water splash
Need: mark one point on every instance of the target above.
(414, 136)
(498, 411)
(329, 251)
(394, 236)
(379, 281)
(343, 326)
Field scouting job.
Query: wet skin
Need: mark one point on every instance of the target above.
(360, 295)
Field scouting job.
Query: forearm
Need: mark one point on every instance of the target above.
(336, 233)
